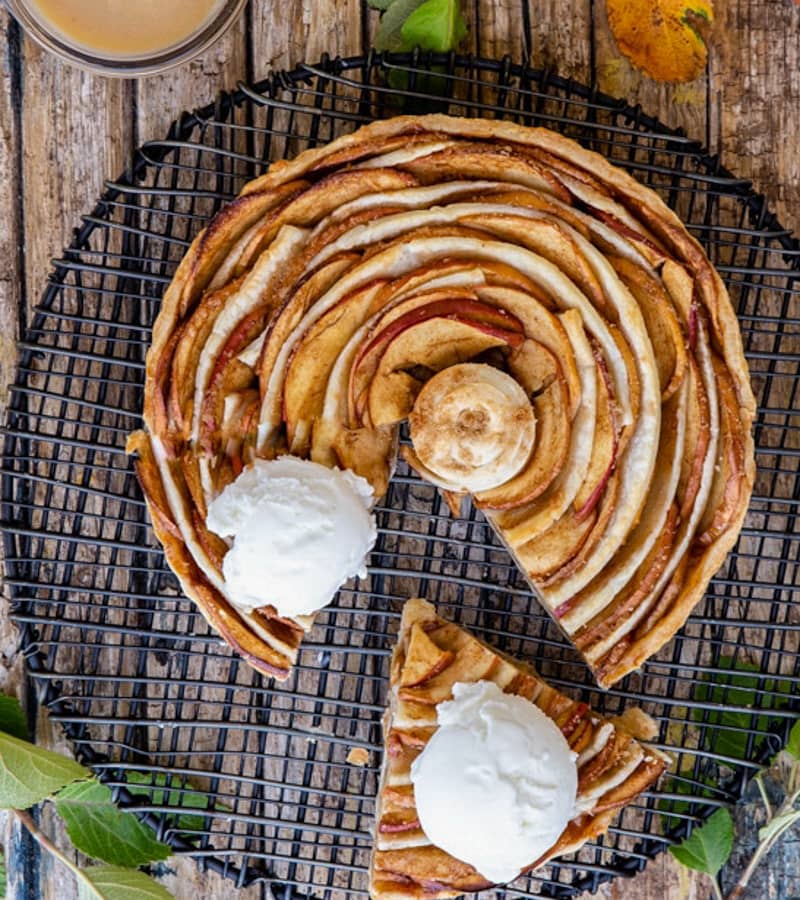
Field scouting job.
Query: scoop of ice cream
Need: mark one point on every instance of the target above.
(299, 531)
(496, 784)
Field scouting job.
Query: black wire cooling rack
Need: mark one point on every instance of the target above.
(252, 777)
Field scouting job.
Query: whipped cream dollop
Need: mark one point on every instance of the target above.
(299, 531)
(496, 784)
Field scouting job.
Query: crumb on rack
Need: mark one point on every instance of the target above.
(358, 756)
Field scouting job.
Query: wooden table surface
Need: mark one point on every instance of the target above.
(62, 132)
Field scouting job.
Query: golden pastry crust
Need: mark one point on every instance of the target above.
(310, 313)
(430, 656)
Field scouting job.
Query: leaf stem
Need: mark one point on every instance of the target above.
(764, 798)
(716, 888)
(760, 852)
(26, 820)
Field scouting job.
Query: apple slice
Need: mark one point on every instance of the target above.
(191, 338)
(400, 312)
(434, 343)
(729, 474)
(313, 359)
(661, 323)
(474, 160)
(604, 511)
(542, 327)
(591, 637)
(369, 452)
(698, 436)
(604, 447)
(552, 241)
(423, 659)
(472, 662)
(547, 459)
(555, 547)
(213, 400)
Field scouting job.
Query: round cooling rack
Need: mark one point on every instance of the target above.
(252, 777)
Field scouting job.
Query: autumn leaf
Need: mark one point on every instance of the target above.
(666, 39)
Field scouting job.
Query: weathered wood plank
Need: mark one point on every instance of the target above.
(561, 36)
(285, 34)
(76, 131)
(755, 94)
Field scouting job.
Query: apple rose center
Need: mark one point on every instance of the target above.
(473, 425)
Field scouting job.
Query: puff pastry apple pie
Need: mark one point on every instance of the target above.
(430, 658)
(563, 349)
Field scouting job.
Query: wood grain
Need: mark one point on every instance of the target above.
(63, 132)
(755, 99)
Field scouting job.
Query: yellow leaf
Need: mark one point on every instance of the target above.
(666, 39)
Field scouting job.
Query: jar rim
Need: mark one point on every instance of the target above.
(127, 66)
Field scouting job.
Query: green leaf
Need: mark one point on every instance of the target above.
(793, 743)
(29, 774)
(152, 786)
(99, 828)
(12, 718)
(3, 875)
(436, 25)
(389, 34)
(114, 883)
(708, 847)
(738, 687)
(381, 4)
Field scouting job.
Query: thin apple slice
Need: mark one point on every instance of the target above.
(191, 338)
(398, 315)
(605, 510)
(552, 241)
(729, 475)
(604, 447)
(313, 358)
(661, 323)
(542, 327)
(555, 547)
(435, 343)
(590, 639)
(213, 244)
(522, 523)
(369, 452)
(472, 662)
(295, 301)
(423, 659)
(698, 436)
(467, 160)
(311, 205)
(212, 402)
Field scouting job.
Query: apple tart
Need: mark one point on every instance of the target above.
(563, 350)
(431, 656)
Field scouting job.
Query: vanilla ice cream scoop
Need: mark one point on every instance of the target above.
(496, 784)
(299, 531)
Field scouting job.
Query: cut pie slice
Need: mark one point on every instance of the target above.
(431, 656)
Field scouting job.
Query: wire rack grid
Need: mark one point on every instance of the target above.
(252, 777)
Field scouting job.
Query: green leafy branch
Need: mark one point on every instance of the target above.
(30, 775)
(709, 847)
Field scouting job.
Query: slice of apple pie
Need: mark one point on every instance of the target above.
(431, 659)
